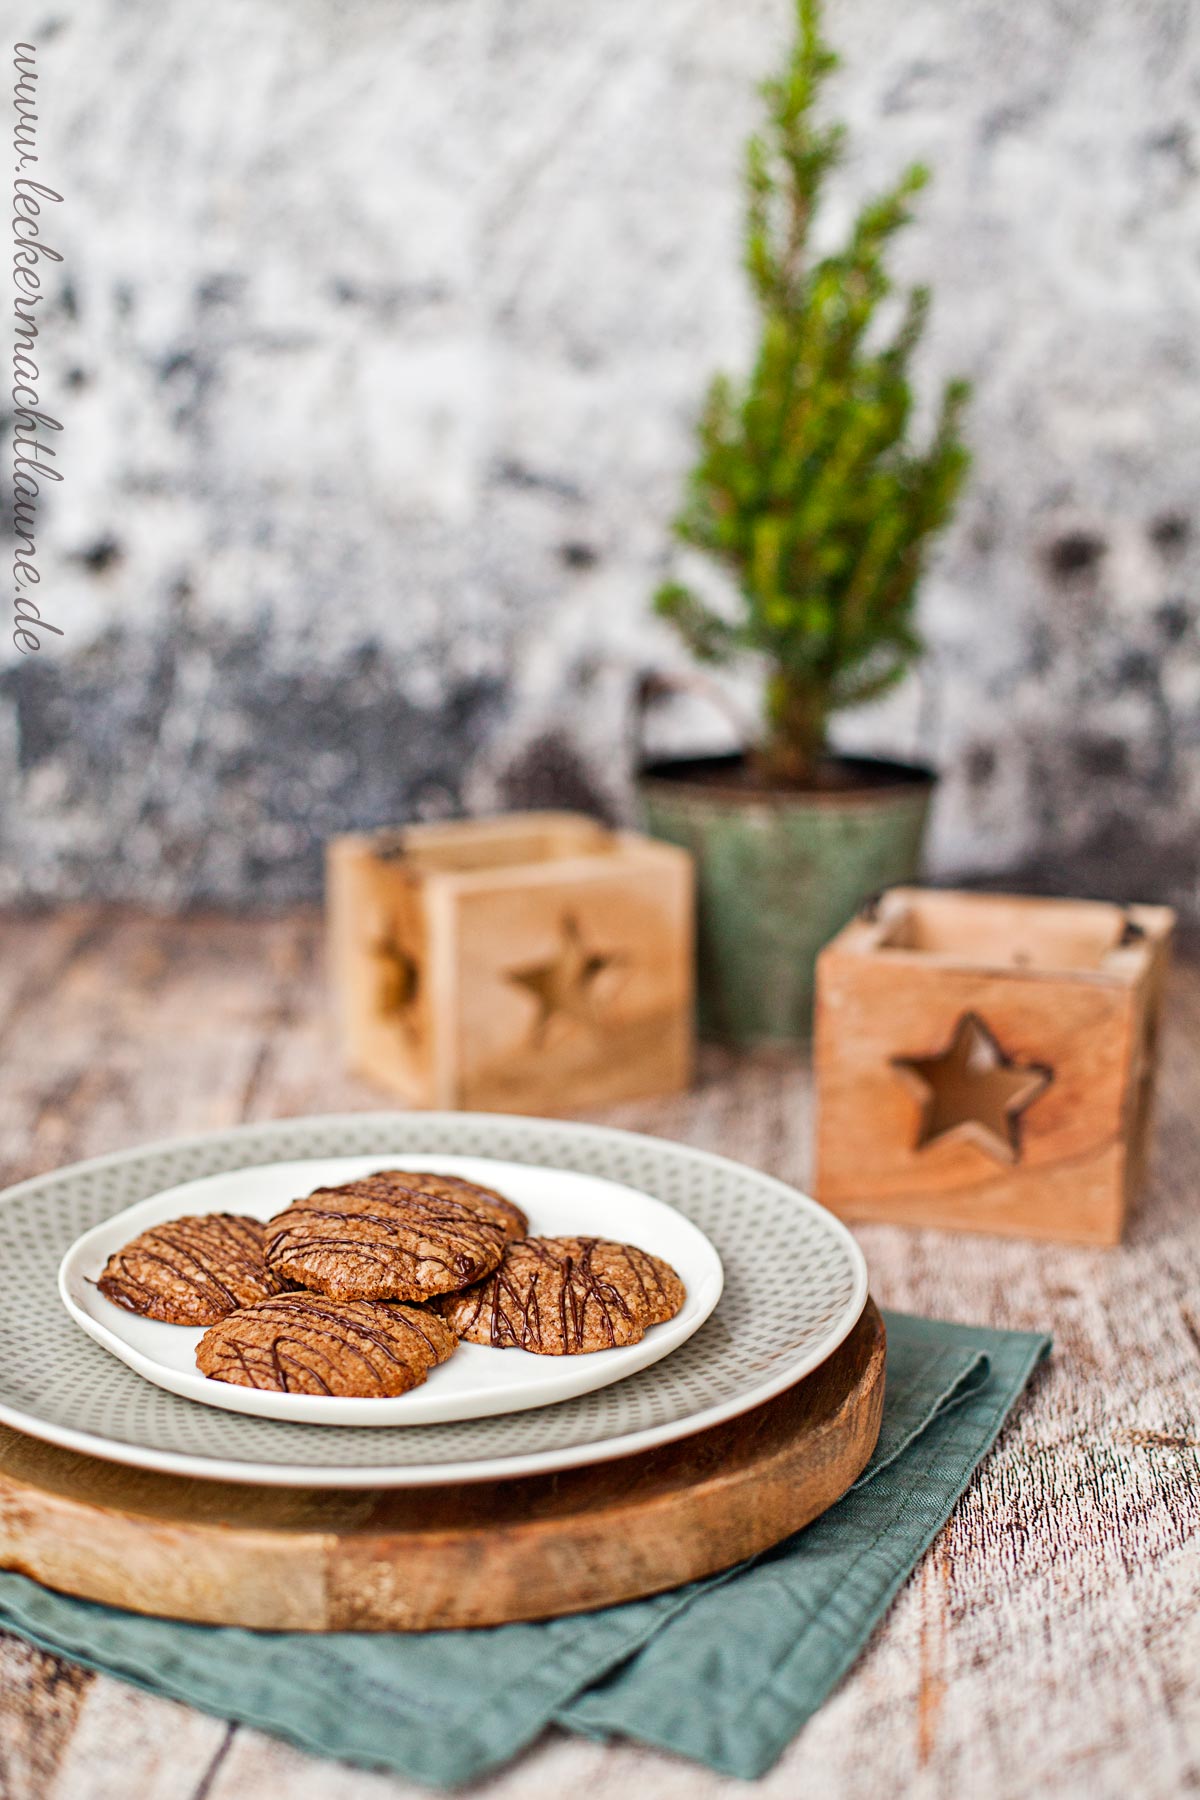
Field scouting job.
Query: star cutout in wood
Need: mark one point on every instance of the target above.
(973, 1091)
(564, 985)
(398, 979)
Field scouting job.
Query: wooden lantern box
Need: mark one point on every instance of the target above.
(988, 1062)
(536, 962)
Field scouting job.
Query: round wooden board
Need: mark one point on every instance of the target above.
(423, 1559)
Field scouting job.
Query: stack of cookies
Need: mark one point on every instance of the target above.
(360, 1290)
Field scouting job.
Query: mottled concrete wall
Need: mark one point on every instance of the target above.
(382, 328)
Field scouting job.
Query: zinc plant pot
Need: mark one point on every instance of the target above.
(778, 873)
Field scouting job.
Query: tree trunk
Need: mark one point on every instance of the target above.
(795, 742)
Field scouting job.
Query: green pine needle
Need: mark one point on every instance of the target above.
(808, 488)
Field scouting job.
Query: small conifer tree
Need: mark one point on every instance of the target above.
(807, 488)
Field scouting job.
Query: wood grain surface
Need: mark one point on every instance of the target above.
(1048, 1644)
(465, 956)
(1067, 990)
(476, 1553)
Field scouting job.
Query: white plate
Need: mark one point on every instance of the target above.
(795, 1286)
(477, 1381)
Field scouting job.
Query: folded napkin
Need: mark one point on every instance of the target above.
(724, 1671)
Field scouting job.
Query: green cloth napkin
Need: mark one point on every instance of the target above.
(724, 1671)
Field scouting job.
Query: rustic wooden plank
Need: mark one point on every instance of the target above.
(1049, 1642)
(37, 956)
(128, 1742)
(255, 1766)
(34, 946)
(159, 1028)
(40, 1698)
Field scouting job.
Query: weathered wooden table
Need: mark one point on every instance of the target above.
(1048, 1644)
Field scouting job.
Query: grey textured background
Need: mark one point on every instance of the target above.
(380, 335)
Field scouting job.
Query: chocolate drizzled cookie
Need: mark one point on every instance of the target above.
(377, 1239)
(567, 1296)
(309, 1344)
(191, 1271)
(471, 1194)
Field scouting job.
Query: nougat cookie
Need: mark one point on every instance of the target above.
(191, 1271)
(567, 1296)
(379, 1240)
(308, 1344)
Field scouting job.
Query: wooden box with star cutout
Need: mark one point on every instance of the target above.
(534, 963)
(987, 1062)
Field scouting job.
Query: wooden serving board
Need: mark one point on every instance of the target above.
(421, 1559)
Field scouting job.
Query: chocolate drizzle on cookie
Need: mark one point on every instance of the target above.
(377, 1239)
(308, 1344)
(471, 1194)
(191, 1271)
(324, 1299)
(567, 1296)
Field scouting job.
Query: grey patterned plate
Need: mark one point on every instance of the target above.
(795, 1285)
